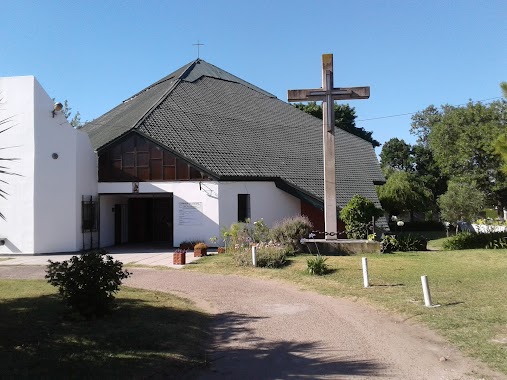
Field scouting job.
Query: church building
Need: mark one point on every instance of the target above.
(178, 161)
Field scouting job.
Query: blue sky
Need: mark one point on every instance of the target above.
(411, 53)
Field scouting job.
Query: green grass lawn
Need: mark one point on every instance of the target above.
(470, 286)
(150, 335)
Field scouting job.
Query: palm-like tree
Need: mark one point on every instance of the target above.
(4, 170)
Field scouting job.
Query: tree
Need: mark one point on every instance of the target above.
(404, 192)
(503, 86)
(428, 172)
(357, 214)
(345, 118)
(4, 170)
(463, 146)
(75, 122)
(461, 140)
(396, 155)
(462, 202)
(425, 175)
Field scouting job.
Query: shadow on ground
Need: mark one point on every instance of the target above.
(238, 353)
(39, 339)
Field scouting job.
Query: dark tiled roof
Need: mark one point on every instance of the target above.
(236, 130)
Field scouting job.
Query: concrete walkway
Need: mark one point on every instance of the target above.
(131, 254)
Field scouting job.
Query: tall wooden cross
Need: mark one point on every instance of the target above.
(328, 94)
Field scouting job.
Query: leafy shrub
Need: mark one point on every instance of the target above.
(411, 242)
(200, 245)
(290, 231)
(88, 283)
(317, 265)
(357, 214)
(267, 256)
(260, 231)
(500, 243)
(188, 244)
(469, 240)
(388, 244)
(403, 243)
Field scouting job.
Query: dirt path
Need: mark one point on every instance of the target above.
(269, 330)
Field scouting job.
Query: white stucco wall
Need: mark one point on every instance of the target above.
(215, 205)
(43, 212)
(199, 224)
(17, 99)
(266, 202)
(216, 202)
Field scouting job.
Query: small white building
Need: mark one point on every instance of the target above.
(54, 167)
(193, 153)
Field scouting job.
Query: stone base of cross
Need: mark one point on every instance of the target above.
(328, 94)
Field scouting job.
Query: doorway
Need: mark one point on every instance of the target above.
(150, 219)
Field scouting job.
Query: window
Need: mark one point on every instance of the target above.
(243, 207)
(88, 214)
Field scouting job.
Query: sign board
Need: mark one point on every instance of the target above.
(190, 214)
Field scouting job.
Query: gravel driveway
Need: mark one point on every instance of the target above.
(270, 330)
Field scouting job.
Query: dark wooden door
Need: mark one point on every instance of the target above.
(140, 220)
(163, 219)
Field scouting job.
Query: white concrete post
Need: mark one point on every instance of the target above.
(426, 291)
(254, 255)
(366, 282)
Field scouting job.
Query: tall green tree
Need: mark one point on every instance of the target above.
(461, 140)
(345, 118)
(404, 192)
(396, 155)
(462, 202)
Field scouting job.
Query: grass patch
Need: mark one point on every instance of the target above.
(150, 335)
(470, 285)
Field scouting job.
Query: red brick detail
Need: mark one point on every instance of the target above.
(179, 258)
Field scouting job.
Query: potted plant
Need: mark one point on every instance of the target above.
(179, 257)
(200, 249)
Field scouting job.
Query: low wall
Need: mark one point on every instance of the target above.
(341, 246)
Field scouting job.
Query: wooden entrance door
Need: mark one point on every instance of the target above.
(151, 219)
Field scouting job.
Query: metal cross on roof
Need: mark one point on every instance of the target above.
(328, 94)
(198, 47)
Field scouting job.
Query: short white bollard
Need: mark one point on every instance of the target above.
(426, 291)
(366, 282)
(254, 255)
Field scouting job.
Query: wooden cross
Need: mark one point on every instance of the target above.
(328, 94)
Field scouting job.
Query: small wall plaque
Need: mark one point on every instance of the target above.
(135, 187)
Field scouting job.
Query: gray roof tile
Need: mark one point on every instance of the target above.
(236, 130)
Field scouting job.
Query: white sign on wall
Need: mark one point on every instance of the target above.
(190, 214)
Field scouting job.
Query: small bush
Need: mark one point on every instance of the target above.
(357, 214)
(500, 243)
(403, 243)
(317, 265)
(267, 257)
(88, 283)
(469, 240)
(290, 231)
(200, 245)
(388, 244)
(411, 242)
